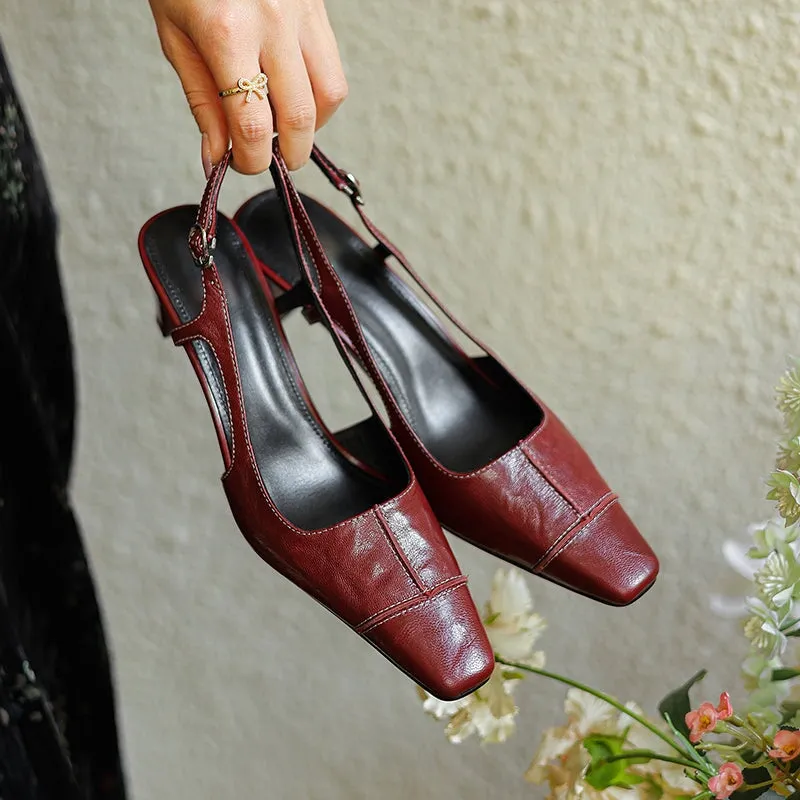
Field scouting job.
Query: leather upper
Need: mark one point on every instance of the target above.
(541, 505)
(388, 572)
(385, 572)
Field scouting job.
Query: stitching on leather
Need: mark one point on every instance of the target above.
(371, 617)
(397, 549)
(372, 368)
(585, 515)
(246, 432)
(397, 254)
(215, 379)
(197, 335)
(340, 526)
(248, 444)
(577, 536)
(291, 379)
(314, 243)
(415, 607)
(546, 420)
(548, 477)
(458, 578)
(393, 548)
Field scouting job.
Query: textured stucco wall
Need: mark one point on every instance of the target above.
(606, 190)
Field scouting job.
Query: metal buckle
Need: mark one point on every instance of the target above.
(352, 188)
(208, 257)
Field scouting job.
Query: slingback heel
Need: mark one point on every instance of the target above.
(360, 538)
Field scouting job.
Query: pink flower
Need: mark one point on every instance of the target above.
(726, 781)
(701, 721)
(786, 745)
(724, 709)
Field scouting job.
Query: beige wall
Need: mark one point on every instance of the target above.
(606, 191)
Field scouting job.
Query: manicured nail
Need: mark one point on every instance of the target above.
(205, 154)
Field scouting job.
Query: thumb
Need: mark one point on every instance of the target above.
(201, 94)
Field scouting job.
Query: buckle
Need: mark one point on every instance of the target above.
(207, 258)
(352, 188)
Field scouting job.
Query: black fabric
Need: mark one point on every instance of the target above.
(58, 737)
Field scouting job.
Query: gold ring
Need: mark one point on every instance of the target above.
(255, 86)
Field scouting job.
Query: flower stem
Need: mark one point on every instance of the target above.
(651, 755)
(761, 785)
(643, 721)
(790, 778)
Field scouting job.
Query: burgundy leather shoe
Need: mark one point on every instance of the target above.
(498, 467)
(361, 539)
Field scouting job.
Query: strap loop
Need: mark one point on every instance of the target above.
(341, 180)
(203, 234)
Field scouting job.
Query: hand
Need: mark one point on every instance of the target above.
(213, 43)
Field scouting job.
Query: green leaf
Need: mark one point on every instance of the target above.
(753, 776)
(677, 705)
(600, 774)
(784, 674)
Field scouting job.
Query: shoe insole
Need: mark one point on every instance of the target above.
(309, 479)
(464, 419)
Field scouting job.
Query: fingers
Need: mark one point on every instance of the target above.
(292, 99)
(249, 122)
(321, 56)
(201, 92)
(213, 47)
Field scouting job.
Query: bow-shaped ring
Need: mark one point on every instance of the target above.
(257, 86)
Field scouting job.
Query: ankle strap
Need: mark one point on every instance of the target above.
(203, 234)
(348, 184)
(323, 289)
(329, 295)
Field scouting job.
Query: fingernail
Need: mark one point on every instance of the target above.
(205, 155)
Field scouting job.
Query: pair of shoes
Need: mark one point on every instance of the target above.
(355, 517)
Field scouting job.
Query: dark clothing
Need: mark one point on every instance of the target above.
(58, 738)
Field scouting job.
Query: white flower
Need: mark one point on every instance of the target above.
(770, 560)
(777, 578)
(746, 559)
(588, 714)
(772, 535)
(788, 397)
(785, 491)
(441, 709)
(757, 669)
(561, 762)
(561, 759)
(488, 712)
(512, 626)
(768, 628)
